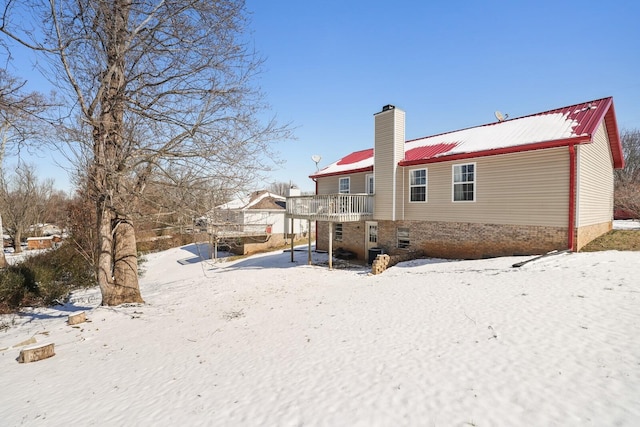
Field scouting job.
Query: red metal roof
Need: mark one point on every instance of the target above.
(356, 157)
(428, 151)
(574, 124)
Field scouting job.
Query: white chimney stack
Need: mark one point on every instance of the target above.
(389, 142)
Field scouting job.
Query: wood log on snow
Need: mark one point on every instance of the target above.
(33, 354)
(74, 319)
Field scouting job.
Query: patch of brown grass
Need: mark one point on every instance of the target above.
(615, 240)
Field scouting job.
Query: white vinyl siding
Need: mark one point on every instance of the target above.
(331, 185)
(595, 180)
(418, 185)
(504, 194)
(388, 151)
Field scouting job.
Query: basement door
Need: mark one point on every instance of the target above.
(371, 239)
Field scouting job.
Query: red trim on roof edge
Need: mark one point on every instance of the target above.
(507, 150)
(614, 137)
(347, 172)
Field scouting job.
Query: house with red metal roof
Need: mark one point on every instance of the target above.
(518, 186)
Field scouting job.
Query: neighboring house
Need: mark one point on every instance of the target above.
(44, 242)
(514, 187)
(253, 223)
(45, 229)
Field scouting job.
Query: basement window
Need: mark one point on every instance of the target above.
(418, 185)
(404, 241)
(337, 232)
(464, 182)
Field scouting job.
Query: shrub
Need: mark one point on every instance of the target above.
(12, 290)
(44, 279)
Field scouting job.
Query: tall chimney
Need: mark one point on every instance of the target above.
(388, 151)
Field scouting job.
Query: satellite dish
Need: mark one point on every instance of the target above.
(316, 158)
(499, 116)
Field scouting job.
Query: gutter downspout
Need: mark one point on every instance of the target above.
(316, 181)
(572, 196)
(403, 193)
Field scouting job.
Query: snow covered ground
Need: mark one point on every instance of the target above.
(263, 341)
(626, 224)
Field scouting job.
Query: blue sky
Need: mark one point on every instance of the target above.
(449, 65)
(330, 65)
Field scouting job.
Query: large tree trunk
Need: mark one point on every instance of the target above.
(125, 270)
(117, 261)
(17, 241)
(105, 256)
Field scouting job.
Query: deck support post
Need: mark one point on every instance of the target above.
(309, 235)
(292, 234)
(330, 245)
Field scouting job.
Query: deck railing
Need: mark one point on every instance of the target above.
(331, 207)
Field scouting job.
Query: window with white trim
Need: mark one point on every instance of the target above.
(464, 182)
(344, 185)
(418, 185)
(404, 241)
(337, 232)
(370, 183)
(373, 233)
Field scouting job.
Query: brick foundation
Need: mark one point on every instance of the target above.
(474, 241)
(352, 238)
(453, 239)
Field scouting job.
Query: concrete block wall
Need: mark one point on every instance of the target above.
(249, 245)
(380, 264)
(384, 261)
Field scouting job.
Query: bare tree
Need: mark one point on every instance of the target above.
(176, 203)
(627, 180)
(24, 200)
(81, 215)
(3, 259)
(156, 86)
(281, 188)
(18, 114)
(630, 139)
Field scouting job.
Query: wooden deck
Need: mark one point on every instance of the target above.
(331, 207)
